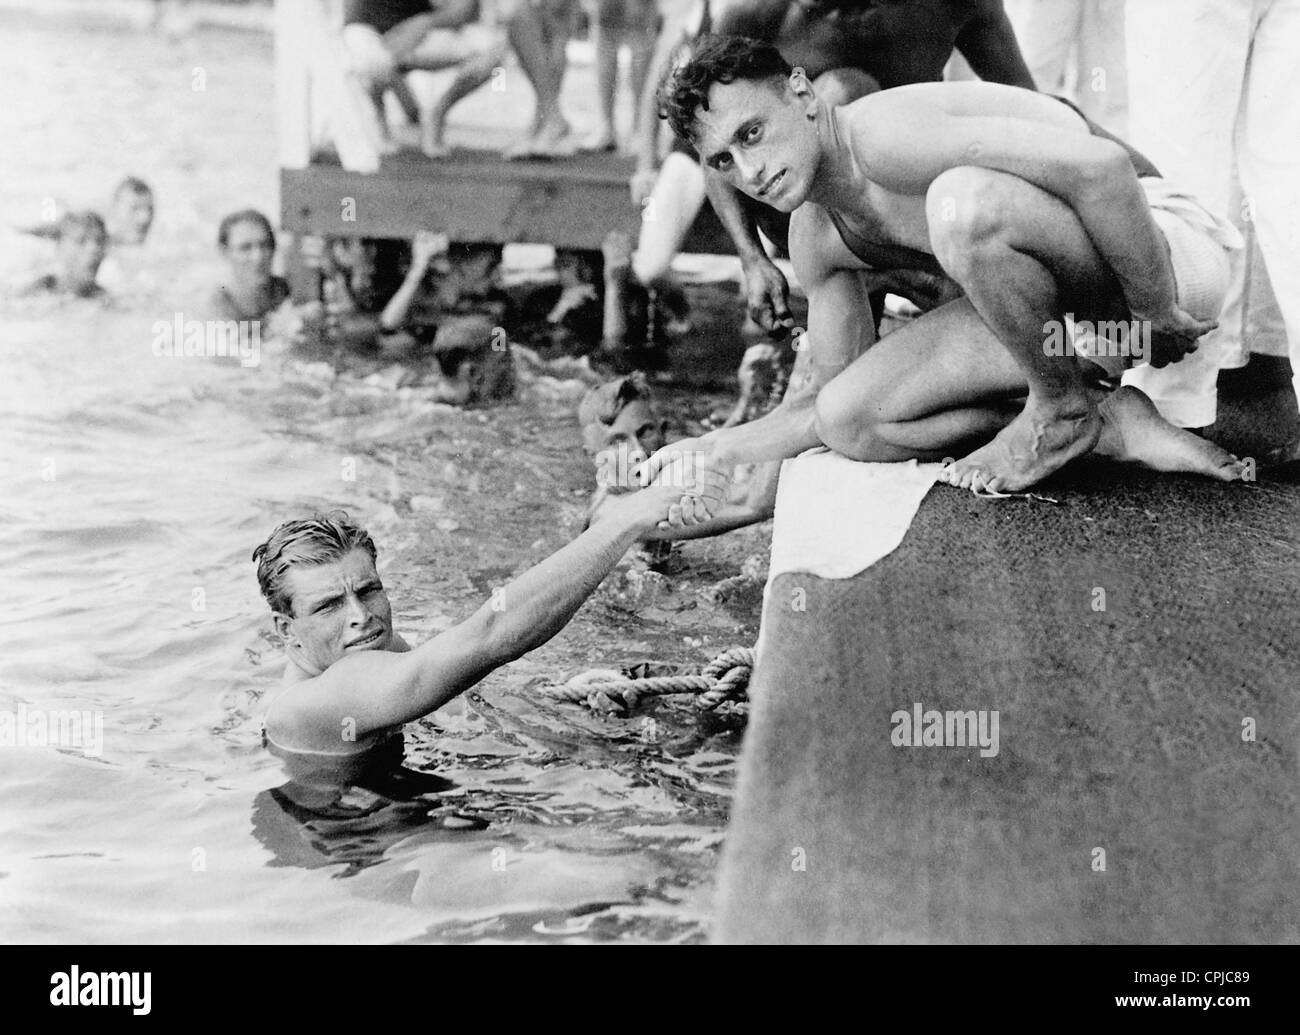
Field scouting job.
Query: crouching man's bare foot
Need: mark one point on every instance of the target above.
(1041, 439)
(1133, 430)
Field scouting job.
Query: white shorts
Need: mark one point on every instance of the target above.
(1199, 243)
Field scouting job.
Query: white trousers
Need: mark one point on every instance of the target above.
(1076, 48)
(1215, 103)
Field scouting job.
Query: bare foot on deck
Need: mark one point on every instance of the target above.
(1039, 441)
(552, 140)
(1133, 430)
(601, 140)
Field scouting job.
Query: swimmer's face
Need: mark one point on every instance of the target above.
(339, 608)
(81, 251)
(635, 429)
(131, 217)
(760, 140)
(358, 257)
(249, 250)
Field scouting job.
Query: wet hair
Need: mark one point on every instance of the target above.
(246, 215)
(717, 59)
(82, 222)
(603, 405)
(133, 185)
(321, 539)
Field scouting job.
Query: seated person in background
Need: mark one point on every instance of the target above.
(620, 430)
(613, 23)
(385, 39)
(351, 681)
(81, 242)
(539, 32)
(249, 290)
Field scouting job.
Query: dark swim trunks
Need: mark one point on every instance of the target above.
(382, 15)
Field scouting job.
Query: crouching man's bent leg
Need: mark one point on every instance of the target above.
(1023, 258)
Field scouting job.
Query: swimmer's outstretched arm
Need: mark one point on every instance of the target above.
(839, 329)
(378, 689)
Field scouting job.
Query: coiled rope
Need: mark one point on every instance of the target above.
(720, 686)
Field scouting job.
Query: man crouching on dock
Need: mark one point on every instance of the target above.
(352, 680)
(1034, 211)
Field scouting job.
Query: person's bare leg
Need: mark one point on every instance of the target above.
(641, 45)
(617, 250)
(531, 38)
(667, 217)
(944, 381)
(471, 75)
(606, 38)
(1022, 256)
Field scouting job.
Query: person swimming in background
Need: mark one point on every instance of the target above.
(81, 242)
(620, 430)
(131, 212)
(249, 291)
(351, 680)
(129, 268)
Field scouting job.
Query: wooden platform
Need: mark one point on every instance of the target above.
(478, 196)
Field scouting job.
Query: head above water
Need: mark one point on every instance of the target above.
(751, 116)
(131, 214)
(247, 240)
(82, 244)
(319, 578)
(620, 412)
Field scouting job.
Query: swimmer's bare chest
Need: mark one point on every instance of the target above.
(888, 229)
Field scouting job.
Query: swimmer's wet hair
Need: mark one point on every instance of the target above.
(717, 59)
(603, 405)
(321, 539)
(83, 222)
(245, 215)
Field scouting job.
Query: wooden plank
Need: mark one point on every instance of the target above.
(477, 196)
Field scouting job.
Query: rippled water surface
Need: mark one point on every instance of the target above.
(135, 489)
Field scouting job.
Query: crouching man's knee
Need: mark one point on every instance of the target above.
(843, 422)
(968, 213)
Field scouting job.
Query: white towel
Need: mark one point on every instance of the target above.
(836, 517)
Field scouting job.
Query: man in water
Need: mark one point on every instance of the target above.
(620, 430)
(1037, 214)
(81, 244)
(351, 680)
(130, 215)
